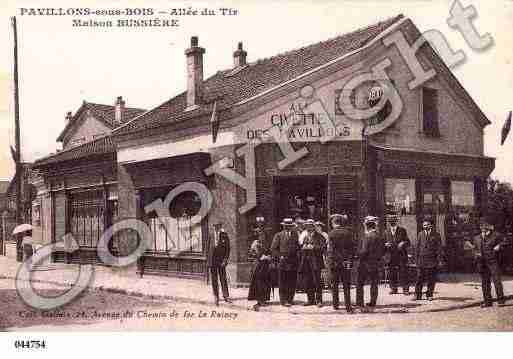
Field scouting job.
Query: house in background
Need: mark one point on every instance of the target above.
(77, 186)
(3, 208)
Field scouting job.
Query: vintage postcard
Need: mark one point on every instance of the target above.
(256, 165)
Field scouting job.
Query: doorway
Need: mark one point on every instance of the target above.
(301, 196)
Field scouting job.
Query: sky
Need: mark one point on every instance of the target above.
(60, 66)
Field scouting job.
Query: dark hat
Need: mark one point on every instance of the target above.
(217, 224)
(370, 219)
(487, 221)
(428, 219)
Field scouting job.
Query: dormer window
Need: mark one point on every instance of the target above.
(430, 112)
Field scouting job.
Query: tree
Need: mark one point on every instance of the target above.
(500, 202)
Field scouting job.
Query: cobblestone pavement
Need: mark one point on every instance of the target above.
(101, 310)
(453, 292)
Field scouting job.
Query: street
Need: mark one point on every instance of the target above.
(99, 310)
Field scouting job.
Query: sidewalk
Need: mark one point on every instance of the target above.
(455, 291)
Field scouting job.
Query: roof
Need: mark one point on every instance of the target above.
(99, 146)
(231, 86)
(103, 113)
(3, 186)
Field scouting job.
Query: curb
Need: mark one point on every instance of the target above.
(139, 294)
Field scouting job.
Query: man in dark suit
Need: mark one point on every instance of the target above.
(487, 246)
(428, 256)
(396, 245)
(311, 263)
(285, 251)
(341, 252)
(370, 253)
(218, 255)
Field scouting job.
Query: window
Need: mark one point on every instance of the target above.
(182, 230)
(462, 194)
(430, 112)
(86, 220)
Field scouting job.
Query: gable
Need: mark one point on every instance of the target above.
(86, 129)
(461, 123)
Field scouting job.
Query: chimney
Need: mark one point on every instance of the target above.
(68, 117)
(118, 110)
(194, 56)
(239, 56)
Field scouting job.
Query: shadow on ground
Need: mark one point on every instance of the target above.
(81, 311)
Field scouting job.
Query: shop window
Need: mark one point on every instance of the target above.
(430, 112)
(182, 230)
(87, 218)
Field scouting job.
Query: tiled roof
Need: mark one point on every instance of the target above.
(229, 87)
(104, 113)
(99, 146)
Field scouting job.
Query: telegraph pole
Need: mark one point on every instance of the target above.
(17, 156)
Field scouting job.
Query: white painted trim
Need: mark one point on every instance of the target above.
(428, 152)
(168, 148)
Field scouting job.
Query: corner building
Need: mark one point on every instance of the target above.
(429, 160)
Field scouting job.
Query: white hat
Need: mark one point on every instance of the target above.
(370, 219)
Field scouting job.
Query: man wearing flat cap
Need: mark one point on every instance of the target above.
(341, 252)
(428, 257)
(285, 251)
(218, 255)
(370, 253)
(396, 245)
(487, 246)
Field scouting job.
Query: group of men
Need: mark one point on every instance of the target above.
(300, 251)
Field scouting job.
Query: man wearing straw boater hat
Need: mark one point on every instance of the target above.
(341, 251)
(285, 250)
(218, 255)
(486, 246)
(370, 253)
(311, 263)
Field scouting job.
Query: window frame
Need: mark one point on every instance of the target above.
(434, 129)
